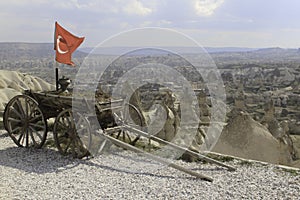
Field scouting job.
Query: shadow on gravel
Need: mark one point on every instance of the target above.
(48, 160)
(134, 172)
(210, 169)
(35, 160)
(203, 167)
(137, 161)
(42, 161)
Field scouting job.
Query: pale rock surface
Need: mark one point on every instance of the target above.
(247, 138)
(14, 83)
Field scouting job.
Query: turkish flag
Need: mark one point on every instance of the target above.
(65, 43)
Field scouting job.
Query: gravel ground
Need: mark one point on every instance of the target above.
(44, 174)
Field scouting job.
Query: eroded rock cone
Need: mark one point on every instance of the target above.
(247, 138)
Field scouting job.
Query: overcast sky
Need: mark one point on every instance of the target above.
(214, 23)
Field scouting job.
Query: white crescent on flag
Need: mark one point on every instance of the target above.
(57, 45)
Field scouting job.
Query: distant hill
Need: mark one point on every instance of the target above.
(20, 51)
(10, 51)
(185, 50)
(229, 49)
(276, 50)
(31, 57)
(36, 59)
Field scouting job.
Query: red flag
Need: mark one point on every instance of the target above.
(65, 43)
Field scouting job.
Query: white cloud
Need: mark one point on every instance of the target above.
(128, 7)
(137, 8)
(207, 7)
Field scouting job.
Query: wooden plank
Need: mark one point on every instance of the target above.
(156, 158)
(192, 153)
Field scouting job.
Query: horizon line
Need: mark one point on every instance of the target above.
(206, 46)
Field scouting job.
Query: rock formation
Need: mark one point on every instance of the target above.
(247, 138)
(13, 83)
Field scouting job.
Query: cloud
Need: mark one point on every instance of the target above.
(207, 7)
(117, 7)
(137, 8)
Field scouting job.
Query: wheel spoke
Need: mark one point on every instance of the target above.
(21, 136)
(69, 121)
(62, 140)
(20, 107)
(16, 112)
(26, 107)
(128, 136)
(15, 129)
(32, 137)
(36, 132)
(80, 120)
(118, 135)
(27, 138)
(35, 118)
(79, 147)
(66, 121)
(32, 110)
(79, 142)
(63, 120)
(36, 125)
(13, 119)
(62, 125)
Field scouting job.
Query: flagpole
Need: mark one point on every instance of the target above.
(56, 75)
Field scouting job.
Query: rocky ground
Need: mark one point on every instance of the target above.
(44, 174)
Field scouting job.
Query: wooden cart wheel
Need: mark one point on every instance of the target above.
(130, 116)
(72, 134)
(25, 122)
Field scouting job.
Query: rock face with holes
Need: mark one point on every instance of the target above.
(13, 83)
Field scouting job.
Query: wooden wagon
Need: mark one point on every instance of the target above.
(26, 119)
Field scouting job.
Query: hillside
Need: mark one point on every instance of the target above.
(35, 58)
(18, 51)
